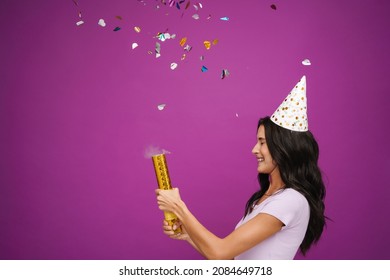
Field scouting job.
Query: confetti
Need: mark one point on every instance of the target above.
(137, 29)
(306, 62)
(187, 48)
(117, 28)
(224, 18)
(215, 41)
(158, 50)
(195, 16)
(80, 15)
(237, 115)
(101, 22)
(224, 74)
(207, 44)
(165, 36)
(171, 3)
(79, 23)
(173, 65)
(161, 36)
(183, 56)
(273, 7)
(161, 106)
(201, 57)
(119, 17)
(134, 45)
(75, 2)
(183, 41)
(204, 69)
(188, 5)
(209, 17)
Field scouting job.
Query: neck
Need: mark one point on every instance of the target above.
(276, 182)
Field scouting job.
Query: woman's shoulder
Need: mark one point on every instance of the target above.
(291, 194)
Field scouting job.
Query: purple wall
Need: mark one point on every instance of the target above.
(78, 110)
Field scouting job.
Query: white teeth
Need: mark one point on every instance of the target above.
(260, 159)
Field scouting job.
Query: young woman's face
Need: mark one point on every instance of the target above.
(265, 162)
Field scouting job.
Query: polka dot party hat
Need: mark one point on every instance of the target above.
(292, 113)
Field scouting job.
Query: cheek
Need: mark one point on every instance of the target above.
(264, 151)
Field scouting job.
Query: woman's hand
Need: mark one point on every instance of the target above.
(170, 231)
(168, 200)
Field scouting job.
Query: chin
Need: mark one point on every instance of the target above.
(262, 171)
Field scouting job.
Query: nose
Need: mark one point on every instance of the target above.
(256, 149)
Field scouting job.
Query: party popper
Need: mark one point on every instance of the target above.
(164, 183)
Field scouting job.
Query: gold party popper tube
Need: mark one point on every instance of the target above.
(164, 183)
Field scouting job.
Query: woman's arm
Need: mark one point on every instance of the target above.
(243, 238)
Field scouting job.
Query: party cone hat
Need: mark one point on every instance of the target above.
(292, 113)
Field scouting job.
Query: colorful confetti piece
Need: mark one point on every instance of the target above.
(102, 23)
(137, 29)
(201, 57)
(79, 23)
(158, 50)
(195, 16)
(207, 44)
(161, 37)
(161, 106)
(165, 36)
(306, 62)
(224, 18)
(134, 45)
(215, 41)
(117, 28)
(204, 69)
(224, 74)
(187, 48)
(273, 7)
(173, 65)
(183, 41)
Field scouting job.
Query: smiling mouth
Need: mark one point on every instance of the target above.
(260, 160)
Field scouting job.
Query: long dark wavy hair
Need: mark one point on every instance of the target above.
(296, 155)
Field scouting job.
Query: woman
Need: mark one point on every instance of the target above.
(287, 213)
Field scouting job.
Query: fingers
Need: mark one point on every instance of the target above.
(170, 230)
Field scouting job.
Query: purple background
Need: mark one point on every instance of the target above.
(78, 110)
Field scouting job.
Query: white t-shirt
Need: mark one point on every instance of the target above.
(292, 209)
